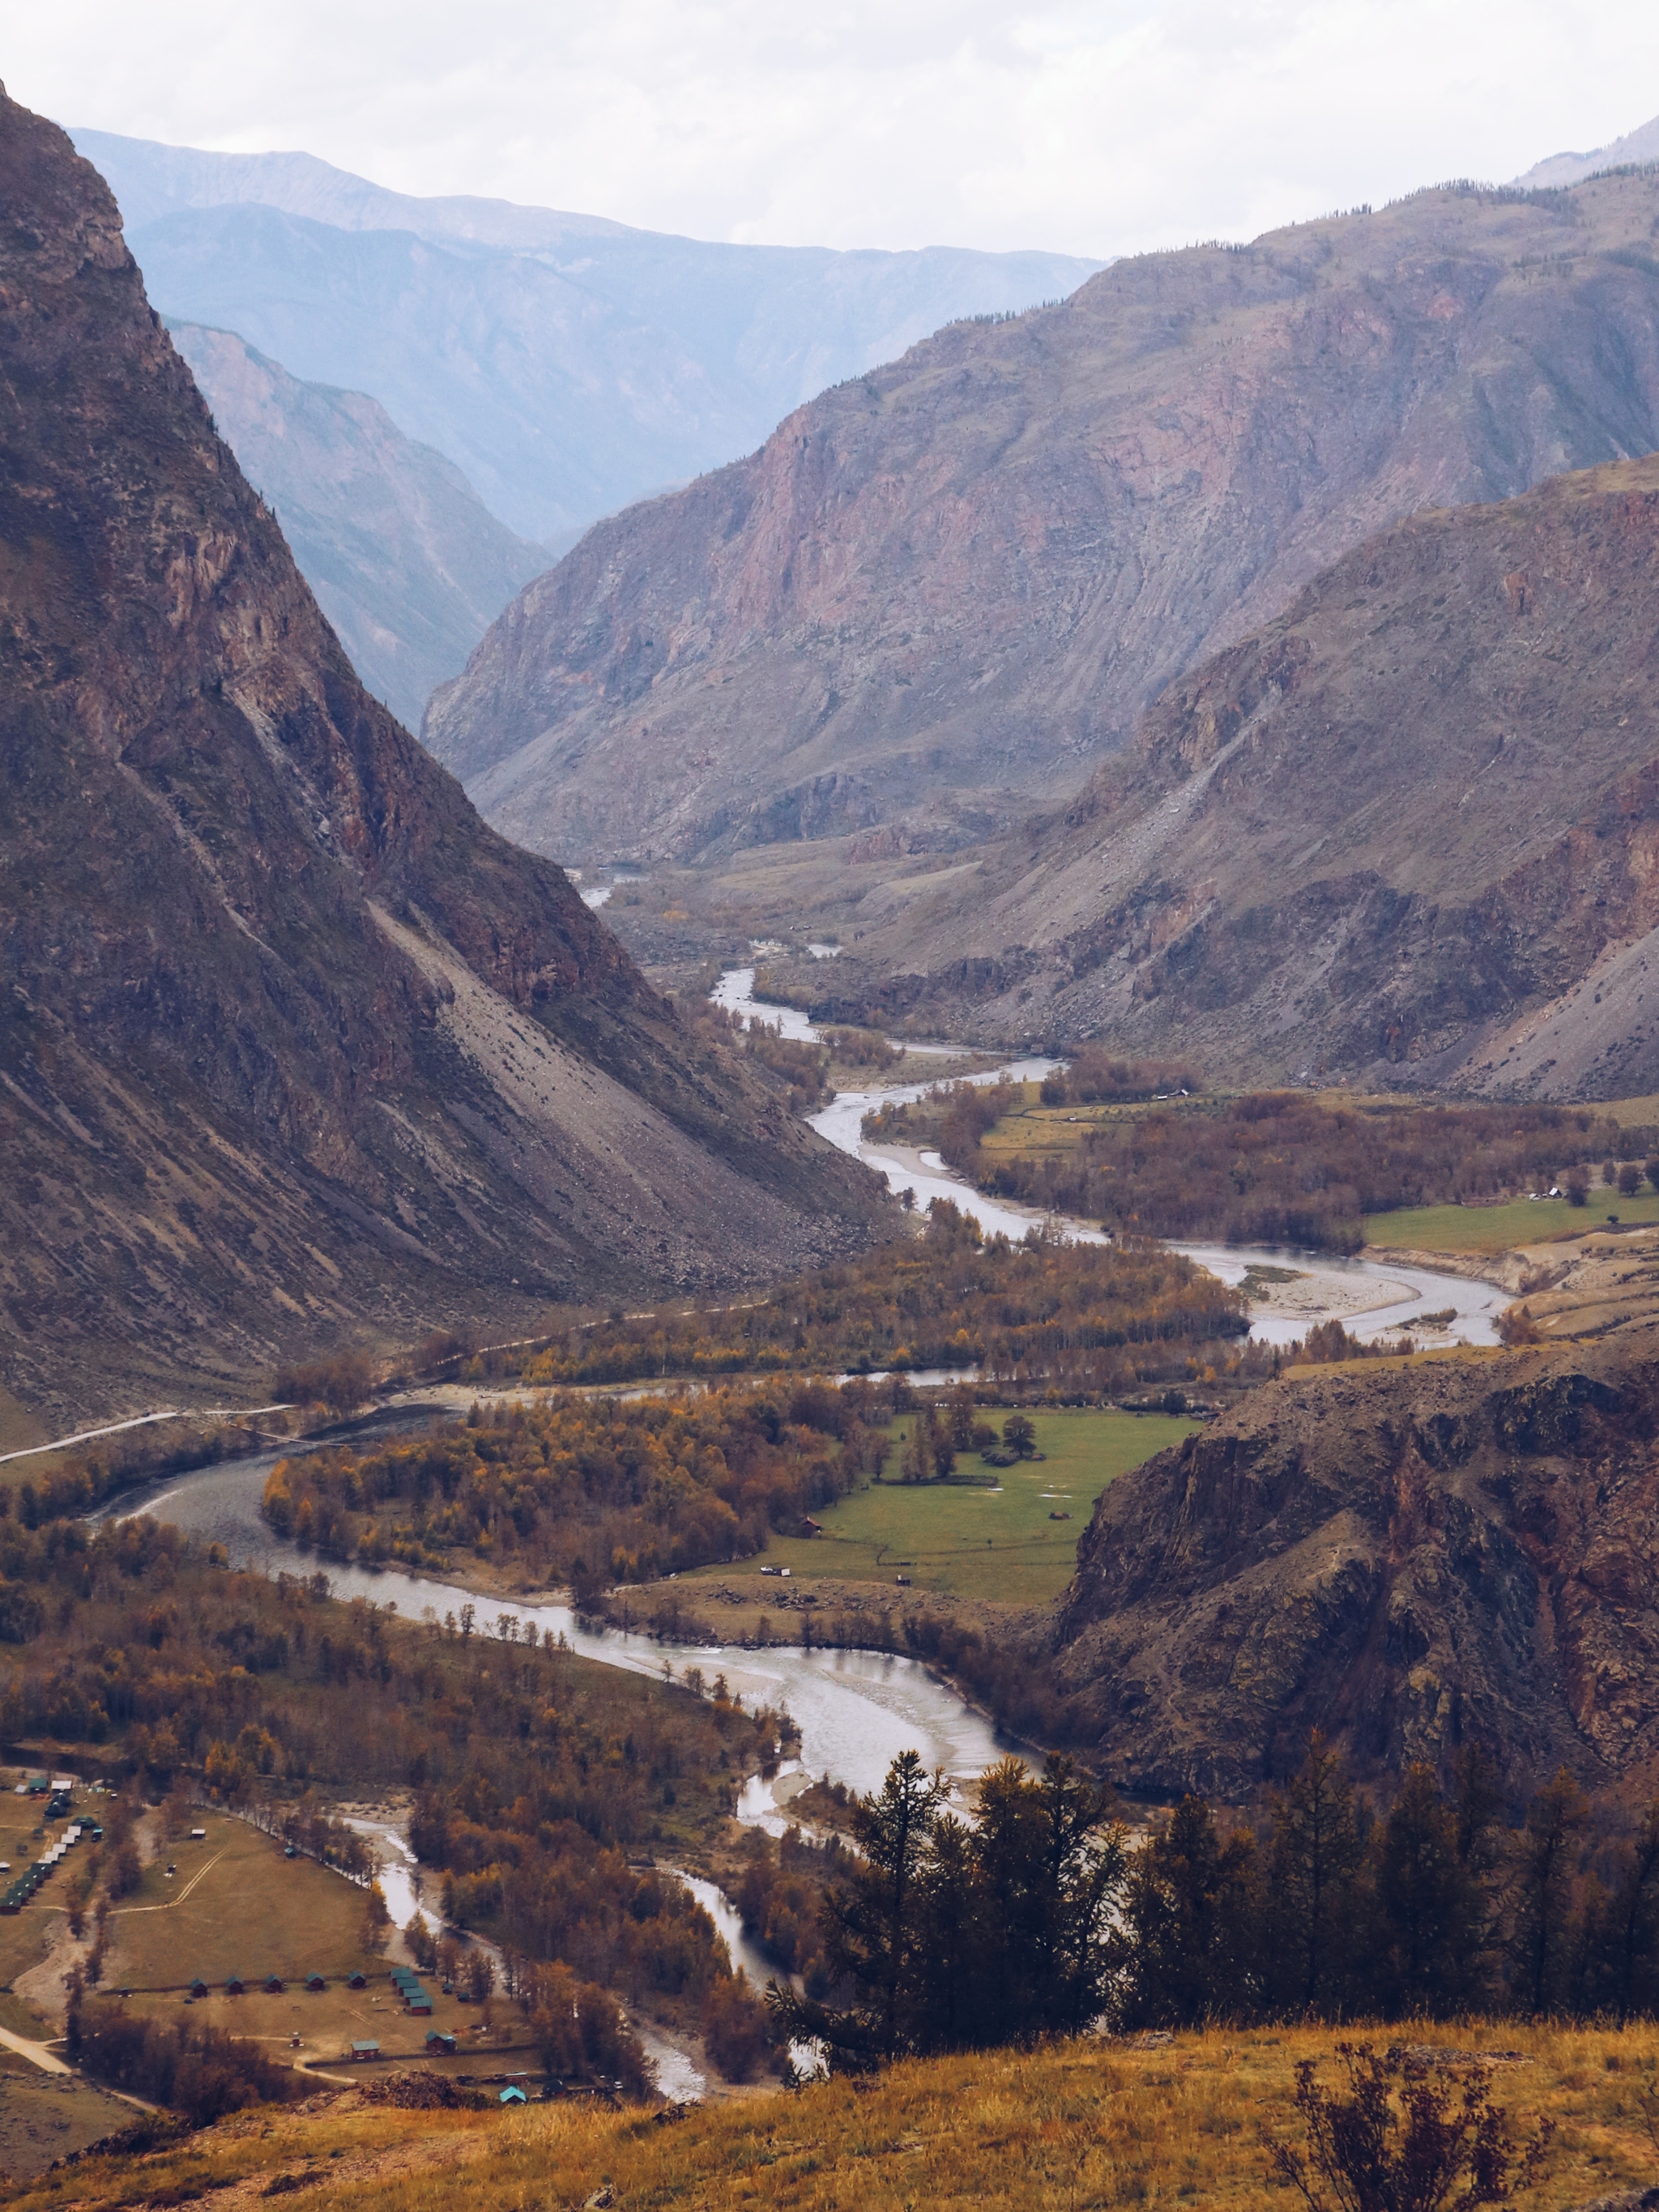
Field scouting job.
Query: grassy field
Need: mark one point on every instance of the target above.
(1081, 2125)
(204, 1921)
(237, 1906)
(966, 1538)
(1489, 1229)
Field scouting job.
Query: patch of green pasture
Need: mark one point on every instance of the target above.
(986, 1534)
(1502, 1228)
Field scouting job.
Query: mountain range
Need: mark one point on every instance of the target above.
(295, 1050)
(411, 370)
(568, 365)
(942, 593)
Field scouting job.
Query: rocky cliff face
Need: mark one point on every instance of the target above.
(291, 1045)
(948, 588)
(406, 561)
(1411, 1559)
(1406, 832)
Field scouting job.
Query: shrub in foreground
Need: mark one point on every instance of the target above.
(1403, 2140)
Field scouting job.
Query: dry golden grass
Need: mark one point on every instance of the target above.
(335, 2143)
(1086, 2124)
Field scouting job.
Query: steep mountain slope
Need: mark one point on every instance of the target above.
(292, 1047)
(947, 589)
(1406, 832)
(1454, 1552)
(567, 364)
(406, 561)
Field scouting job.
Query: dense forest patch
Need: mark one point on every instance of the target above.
(1042, 1311)
(586, 1491)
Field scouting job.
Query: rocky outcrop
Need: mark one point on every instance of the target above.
(406, 561)
(948, 588)
(292, 1047)
(1412, 1559)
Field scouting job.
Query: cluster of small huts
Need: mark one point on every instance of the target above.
(59, 1791)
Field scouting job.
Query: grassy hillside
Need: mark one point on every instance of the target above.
(1082, 2125)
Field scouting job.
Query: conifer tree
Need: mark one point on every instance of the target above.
(1545, 1861)
(1315, 1863)
(1193, 1912)
(1430, 1937)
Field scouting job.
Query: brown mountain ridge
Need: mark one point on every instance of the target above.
(293, 1048)
(945, 591)
(1406, 831)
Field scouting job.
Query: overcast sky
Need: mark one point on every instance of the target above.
(1093, 126)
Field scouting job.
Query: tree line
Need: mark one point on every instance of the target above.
(1042, 1915)
(198, 2072)
(1272, 1168)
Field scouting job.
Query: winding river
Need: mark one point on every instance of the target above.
(1370, 1297)
(856, 1710)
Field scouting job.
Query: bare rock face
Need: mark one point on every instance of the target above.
(1409, 1559)
(1404, 833)
(946, 590)
(292, 1047)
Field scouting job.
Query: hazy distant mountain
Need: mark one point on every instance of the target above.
(567, 364)
(406, 559)
(1640, 145)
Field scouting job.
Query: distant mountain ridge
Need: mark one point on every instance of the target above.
(406, 561)
(292, 1050)
(157, 180)
(566, 364)
(941, 593)
(1637, 146)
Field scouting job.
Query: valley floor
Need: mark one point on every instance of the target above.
(1178, 2120)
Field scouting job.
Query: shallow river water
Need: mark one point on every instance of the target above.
(856, 1710)
(1370, 1297)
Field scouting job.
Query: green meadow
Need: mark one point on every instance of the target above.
(988, 1532)
(1502, 1228)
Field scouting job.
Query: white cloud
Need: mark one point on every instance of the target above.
(1097, 126)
